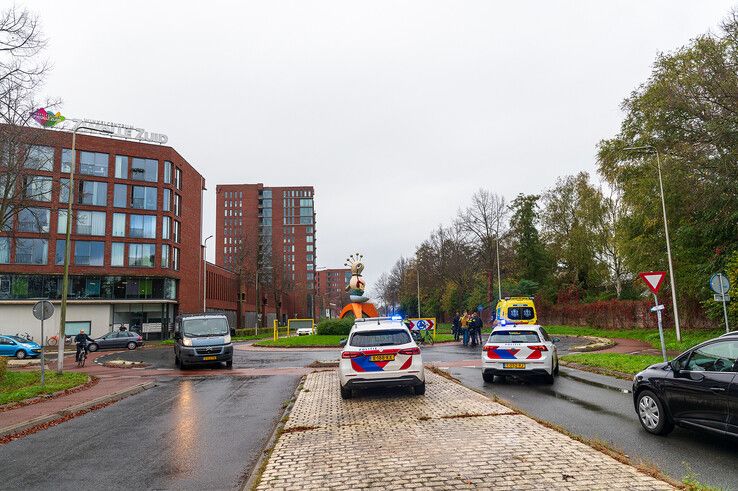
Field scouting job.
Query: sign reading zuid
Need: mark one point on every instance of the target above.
(122, 131)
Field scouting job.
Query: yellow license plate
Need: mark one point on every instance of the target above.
(209, 358)
(382, 357)
(514, 365)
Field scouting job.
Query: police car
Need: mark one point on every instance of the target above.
(520, 351)
(380, 352)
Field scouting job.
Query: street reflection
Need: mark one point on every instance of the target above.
(185, 434)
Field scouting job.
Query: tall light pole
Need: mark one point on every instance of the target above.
(205, 273)
(666, 232)
(417, 276)
(68, 245)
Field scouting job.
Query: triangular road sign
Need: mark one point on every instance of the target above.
(653, 279)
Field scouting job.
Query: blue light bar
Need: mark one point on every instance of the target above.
(396, 317)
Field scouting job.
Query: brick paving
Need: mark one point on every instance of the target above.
(451, 438)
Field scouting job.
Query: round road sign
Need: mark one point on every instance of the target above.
(719, 283)
(43, 310)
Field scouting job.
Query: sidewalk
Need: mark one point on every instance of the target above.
(394, 440)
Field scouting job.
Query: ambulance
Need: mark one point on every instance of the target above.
(515, 310)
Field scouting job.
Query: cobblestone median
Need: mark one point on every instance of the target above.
(451, 438)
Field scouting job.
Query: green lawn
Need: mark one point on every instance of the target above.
(689, 338)
(621, 362)
(17, 386)
(313, 340)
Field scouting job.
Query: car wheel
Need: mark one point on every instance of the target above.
(652, 415)
(556, 370)
(20, 354)
(131, 346)
(176, 361)
(92, 348)
(488, 377)
(548, 379)
(419, 389)
(229, 364)
(346, 393)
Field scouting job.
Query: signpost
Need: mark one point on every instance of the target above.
(42, 311)
(720, 284)
(654, 280)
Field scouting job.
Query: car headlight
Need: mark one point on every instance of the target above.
(186, 341)
(226, 339)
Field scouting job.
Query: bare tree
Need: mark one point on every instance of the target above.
(609, 229)
(244, 266)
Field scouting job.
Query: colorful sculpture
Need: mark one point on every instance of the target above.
(359, 305)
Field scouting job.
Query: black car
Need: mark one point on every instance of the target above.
(117, 339)
(698, 389)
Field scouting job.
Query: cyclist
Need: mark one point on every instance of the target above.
(81, 340)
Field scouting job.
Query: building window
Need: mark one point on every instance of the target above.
(309, 248)
(166, 227)
(91, 222)
(178, 178)
(177, 204)
(176, 231)
(167, 200)
(120, 198)
(309, 257)
(93, 164)
(38, 188)
(167, 172)
(142, 226)
(143, 197)
(60, 251)
(121, 167)
(164, 256)
(66, 160)
(119, 224)
(88, 253)
(144, 169)
(309, 238)
(175, 258)
(33, 220)
(40, 158)
(93, 193)
(31, 251)
(4, 250)
(141, 255)
(306, 220)
(117, 254)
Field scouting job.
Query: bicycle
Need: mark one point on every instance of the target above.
(54, 340)
(423, 337)
(82, 357)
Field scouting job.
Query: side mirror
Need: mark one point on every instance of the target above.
(555, 340)
(177, 335)
(342, 342)
(674, 367)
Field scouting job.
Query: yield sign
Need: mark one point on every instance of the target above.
(653, 280)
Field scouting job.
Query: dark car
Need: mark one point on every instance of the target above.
(117, 339)
(698, 389)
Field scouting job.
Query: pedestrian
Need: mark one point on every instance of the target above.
(475, 328)
(465, 328)
(456, 326)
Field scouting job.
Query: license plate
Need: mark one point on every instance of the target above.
(382, 357)
(513, 365)
(208, 358)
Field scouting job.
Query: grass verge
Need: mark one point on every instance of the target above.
(651, 336)
(310, 341)
(17, 386)
(619, 362)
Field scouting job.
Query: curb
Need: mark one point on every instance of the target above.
(597, 345)
(115, 396)
(593, 383)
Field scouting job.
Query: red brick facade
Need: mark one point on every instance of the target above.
(330, 289)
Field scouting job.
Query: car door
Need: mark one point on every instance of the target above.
(6, 347)
(106, 341)
(699, 392)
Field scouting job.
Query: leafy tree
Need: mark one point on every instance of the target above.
(529, 250)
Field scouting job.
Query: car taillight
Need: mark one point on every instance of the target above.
(489, 348)
(538, 347)
(139, 338)
(410, 351)
(351, 354)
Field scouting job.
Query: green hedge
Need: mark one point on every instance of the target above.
(334, 327)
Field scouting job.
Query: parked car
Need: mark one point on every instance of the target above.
(202, 338)
(116, 339)
(520, 351)
(19, 347)
(304, 331)
(380, 352)
(698, 389)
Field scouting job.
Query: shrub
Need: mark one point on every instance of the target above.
(247, 332)
(335, 327)
(3, 367)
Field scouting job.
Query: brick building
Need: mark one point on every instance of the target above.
(267, 236)
(136, 257)
(330, 291)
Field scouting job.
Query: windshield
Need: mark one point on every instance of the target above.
(205, 327)
(520, 313)
(388, 337)
(20, 339)
(514, 337)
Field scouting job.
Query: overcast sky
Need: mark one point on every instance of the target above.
(396, 111)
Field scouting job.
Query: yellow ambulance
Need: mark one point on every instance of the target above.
(515, 310)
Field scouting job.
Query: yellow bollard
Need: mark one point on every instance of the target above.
(276, 330)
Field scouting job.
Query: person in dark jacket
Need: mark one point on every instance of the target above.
(475, 329)
(81, 341)
(456, 326)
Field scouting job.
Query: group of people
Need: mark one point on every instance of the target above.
(468, 328)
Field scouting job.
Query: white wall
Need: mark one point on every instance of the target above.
(20, 319)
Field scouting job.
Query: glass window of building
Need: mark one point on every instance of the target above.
(167, 172)
(66, 159)
(63, 190)
(60, 249)
(310, 266)
(39, 158)
(144, 169)
(93, 164)
(61, 222)
(121, 166)
(176, 231)
(166, 227)
(142, 226)
(167, 200)
(4, 250)
(308, 238)
(306, 220)
(143, 197)
(177, 204)
(120, 192)
(175, 258)
(164, 256)
(309, 248)
(88, 253)
(91, 222)
(34, 220)
(306, 202)
(31, 251)
(141, 255)
(178, 178)
(117, 254)
(119, 224)
(93, 193)
(38, 188)
(309, 257)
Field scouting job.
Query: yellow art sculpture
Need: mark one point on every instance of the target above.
(359, 305)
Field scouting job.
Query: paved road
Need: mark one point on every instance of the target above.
(183, 434)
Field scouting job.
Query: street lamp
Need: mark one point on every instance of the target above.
(68, 245)
(666, 232)
(257, 300)
(205, 273)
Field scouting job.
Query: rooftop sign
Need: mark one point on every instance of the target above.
(122, 131)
